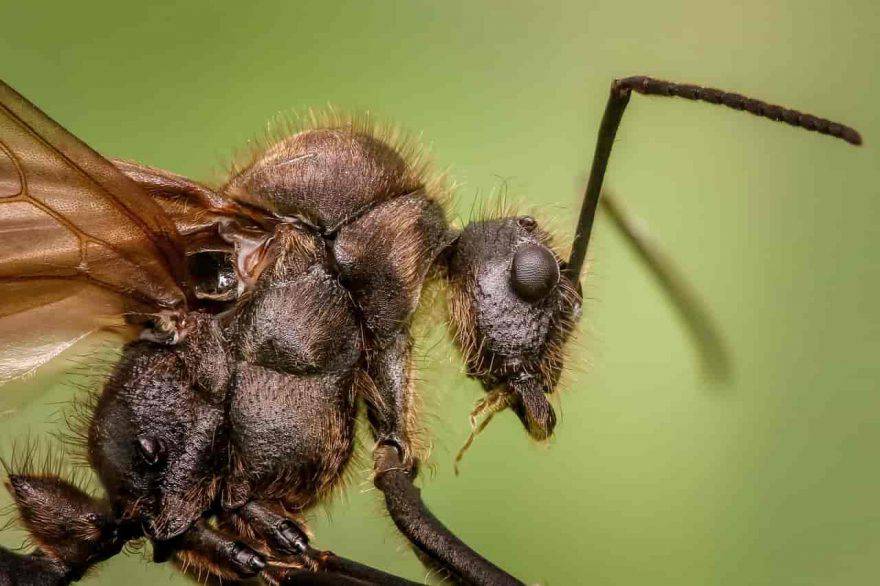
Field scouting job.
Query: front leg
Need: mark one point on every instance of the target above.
(34, 569)
(440, 548)
(390, 399)
(278, 532)
(332, 570)
(391, 414)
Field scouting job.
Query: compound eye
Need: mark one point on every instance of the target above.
(534, 272)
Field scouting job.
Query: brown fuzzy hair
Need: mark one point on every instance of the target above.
(398, 162)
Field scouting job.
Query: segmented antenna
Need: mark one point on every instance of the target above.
(618, 99)
(656, 87)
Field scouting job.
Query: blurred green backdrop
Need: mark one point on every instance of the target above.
(655, 476)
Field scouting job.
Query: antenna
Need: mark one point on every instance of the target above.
(621, 89)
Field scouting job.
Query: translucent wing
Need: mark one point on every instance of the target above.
(221, 234)
(195, 209)
(80, 242)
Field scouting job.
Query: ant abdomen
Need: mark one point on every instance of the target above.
(71, 529)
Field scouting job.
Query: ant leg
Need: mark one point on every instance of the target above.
(259, 521)
(280, 533)
(290, 576)
(334, 564)
(331, 569)
(441, 549)
(202, 548)
(72, 531)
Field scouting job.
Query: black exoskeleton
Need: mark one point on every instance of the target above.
(269, 310)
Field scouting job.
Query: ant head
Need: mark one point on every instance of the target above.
(512, 308)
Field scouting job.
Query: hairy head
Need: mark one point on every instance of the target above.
(512, 311)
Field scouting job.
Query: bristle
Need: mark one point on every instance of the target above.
(422, 407)
(8, 517)
(45, 459)
(366, 389)
(420, 167)
(201, 569)
(86, 378)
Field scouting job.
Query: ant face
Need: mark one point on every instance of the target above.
(513, 310)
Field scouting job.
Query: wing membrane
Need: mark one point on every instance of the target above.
(79, 241)
(35, 334)
(68, 213)
(195, 209)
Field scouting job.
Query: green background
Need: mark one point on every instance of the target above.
(655, 476)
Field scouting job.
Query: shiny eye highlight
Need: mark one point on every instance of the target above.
(534, 273)
(152, 449)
